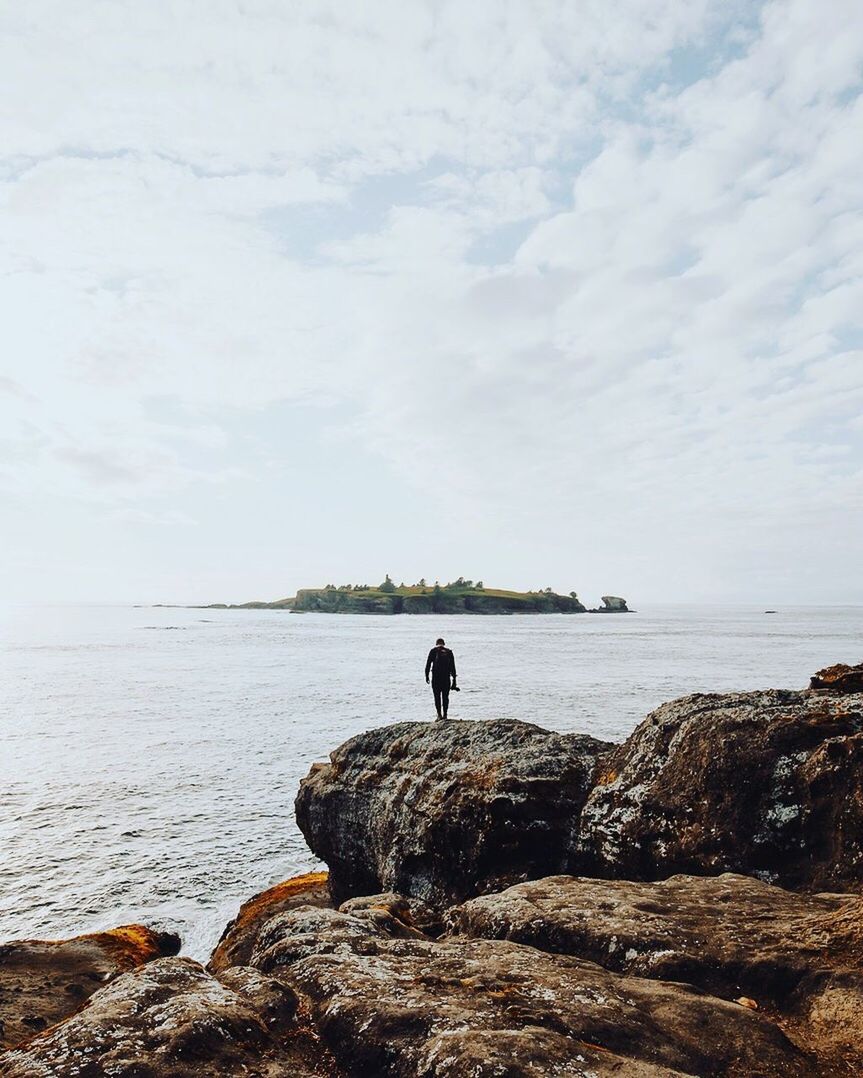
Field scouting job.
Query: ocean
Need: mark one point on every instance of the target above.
(149, 757)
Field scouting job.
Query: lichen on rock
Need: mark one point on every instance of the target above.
(443, 811)
(398, 1006)
(171, 1019)
(45, 981)
(796, 957)
(766, 783)
(235, 946)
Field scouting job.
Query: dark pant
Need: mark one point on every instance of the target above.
(441, 696)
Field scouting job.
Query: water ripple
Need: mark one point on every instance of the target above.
(151, 776)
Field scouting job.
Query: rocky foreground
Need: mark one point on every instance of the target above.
(506, 901)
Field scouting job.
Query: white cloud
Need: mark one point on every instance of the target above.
(600, 268)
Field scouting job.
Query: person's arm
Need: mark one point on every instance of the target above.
(452, 663)
(429, 663)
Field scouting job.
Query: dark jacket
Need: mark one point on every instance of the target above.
(441, 662)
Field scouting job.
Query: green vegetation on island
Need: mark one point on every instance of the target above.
(458, 597)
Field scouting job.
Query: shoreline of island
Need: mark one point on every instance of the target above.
(457, 597)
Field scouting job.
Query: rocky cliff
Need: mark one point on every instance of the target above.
(443, 811)
(459, 597)
(626, 949)
(450, 599)
(766, 783)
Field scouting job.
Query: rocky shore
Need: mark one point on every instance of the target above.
(506, 901)
(459, 597)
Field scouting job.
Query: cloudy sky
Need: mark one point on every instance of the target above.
(550, 293)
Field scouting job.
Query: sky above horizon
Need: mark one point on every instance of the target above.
(560, 294)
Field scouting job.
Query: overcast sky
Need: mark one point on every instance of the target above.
(551, 294)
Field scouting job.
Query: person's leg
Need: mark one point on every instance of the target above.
(445, 699)
(436, 691)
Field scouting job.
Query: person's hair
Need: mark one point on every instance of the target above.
(440, 640)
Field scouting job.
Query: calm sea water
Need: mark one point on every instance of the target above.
(149, 758)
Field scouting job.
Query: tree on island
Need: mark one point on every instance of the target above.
(457, 585)
(480, 586)
(387, 585)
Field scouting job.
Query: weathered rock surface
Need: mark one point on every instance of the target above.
(839, 678)
(444, 811)
(171, 1019)
(765, 783)
(612, 604)
(799, 957)
(235, 946)
(412, 912)
(397, 1007)
(314, 930)
(559, 976)
(44, 981)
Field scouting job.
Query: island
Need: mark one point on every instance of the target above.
(457, 597)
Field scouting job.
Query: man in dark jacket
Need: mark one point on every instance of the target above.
(441, 663)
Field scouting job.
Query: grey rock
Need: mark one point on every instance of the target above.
(45, 981)
(412, 912)
(410, 1008)
(764, 783)
(171, 1019)
(444, 811)
(240, 934)
(798, 957)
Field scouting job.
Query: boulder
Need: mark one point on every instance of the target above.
(444, 811)
(171, 1019)
(398, 1006)
(764, 783)
(45, 981)
(412, 912)
(839, 678)
(238, 938)
(612, 604)
(799, 957)
(313, 930)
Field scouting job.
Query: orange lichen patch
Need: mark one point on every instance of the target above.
(43, 982)
(839, 678)
(133, 945)
(606, 778)
(833, 673)
(238, 940)
(126, 946)
(259, 905)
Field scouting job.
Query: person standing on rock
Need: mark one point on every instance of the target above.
(441, 664)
